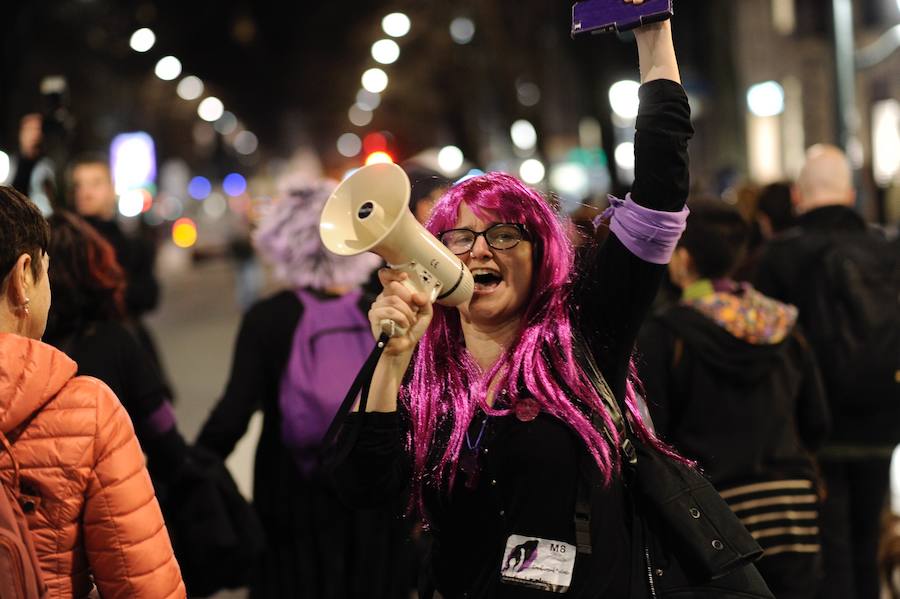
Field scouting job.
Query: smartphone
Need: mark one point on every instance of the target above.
(598, 16)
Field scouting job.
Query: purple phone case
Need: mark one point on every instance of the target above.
(598, 16)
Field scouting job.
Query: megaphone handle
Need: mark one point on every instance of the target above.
(391, 328)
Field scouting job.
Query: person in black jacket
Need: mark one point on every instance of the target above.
(488, 431)
(732, 383)
(316, 547)
(856, 457)
(87, 321)
(94, 200)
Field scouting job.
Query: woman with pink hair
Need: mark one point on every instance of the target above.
(482, 413)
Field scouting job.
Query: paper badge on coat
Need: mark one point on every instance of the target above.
(538, 563)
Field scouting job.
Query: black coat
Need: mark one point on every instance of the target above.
(744, 411)
(783, 273)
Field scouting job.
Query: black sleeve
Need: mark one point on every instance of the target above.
(662, 131)
(655, 357)
(142, 293)
(144, 389)
(615, 288)
(259, 356)
(376, 470)
(768, 279)
(22, 180)
(813, 412)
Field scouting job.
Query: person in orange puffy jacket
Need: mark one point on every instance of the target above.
(91, 509)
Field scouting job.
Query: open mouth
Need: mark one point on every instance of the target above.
(486, 281)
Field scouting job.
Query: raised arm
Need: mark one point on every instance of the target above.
(619, 280)
(656, 52)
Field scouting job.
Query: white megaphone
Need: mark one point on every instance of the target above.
(369, 212)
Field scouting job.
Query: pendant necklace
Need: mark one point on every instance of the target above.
(469, 461)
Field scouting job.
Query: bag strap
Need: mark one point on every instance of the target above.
(583, 494)
(623, 427)
(360, 387)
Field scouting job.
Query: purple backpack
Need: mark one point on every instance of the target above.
(331, 343)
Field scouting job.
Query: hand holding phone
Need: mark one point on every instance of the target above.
(599, 16)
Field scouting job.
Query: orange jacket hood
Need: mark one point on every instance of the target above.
(31, 373)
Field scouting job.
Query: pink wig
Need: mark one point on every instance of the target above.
(447, 386)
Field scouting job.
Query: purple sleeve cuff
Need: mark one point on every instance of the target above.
(161, 420)
(651, 235)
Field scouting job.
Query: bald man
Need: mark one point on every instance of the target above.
(855, 462)
(825, 180)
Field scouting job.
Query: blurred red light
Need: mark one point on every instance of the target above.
(374, 142)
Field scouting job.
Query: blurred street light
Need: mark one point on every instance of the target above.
(131, 202)
(532, 171)
(211, 109)
(199, 188)
(385, 51)
(349, 145)
(623, 98)
(245, 143)
(215, 206)
(395, 24)
(189, 88)
(226, 123)
(375, 80)
(766, 99)
(359, 116)
(368, 100)
(184, 232)
(132, 160)
(885, 141)
(378, 157)
(462, 30)
(373, 142)
(528, 93)
(171, 207)
(142, 40)
(450, 158)
(570, 180)
(523, 134)
(168, 68)
(4, 166)
(624, 155)
(234, 184)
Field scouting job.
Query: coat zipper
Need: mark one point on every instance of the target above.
(650, 572)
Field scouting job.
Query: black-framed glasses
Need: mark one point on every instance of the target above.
(502, 236)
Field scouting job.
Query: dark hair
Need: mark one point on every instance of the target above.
(423, 182)
(716, 238)
(775, 202)
(88, 283)
(89, 158)
(23, 230)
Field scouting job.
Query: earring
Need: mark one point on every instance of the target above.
(24, 307)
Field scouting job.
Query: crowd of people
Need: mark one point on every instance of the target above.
(771, 366)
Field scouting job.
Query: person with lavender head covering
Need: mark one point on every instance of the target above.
(480, 416)
(293, 351)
